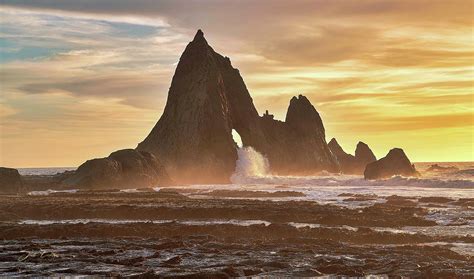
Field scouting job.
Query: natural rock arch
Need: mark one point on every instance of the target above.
(206, 101)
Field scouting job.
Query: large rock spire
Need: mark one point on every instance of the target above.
(207, 99)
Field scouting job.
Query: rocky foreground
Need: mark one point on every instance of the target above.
(167, 234)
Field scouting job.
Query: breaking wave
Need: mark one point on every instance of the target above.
(250, 165)
(50, 191)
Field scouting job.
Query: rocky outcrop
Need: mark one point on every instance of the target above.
(296, 146)
(395, 163)
(346, 161)
(123, 169)
(10, 181)
(363, 156)
(351, 164)
(206, 101)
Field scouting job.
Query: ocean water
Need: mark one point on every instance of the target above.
(252, 173)
(454, 181)
(446, 194)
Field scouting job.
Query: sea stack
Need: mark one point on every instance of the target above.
(351, 164)
(346, 161)
(206, 101)
(395, 163)
(363, 156)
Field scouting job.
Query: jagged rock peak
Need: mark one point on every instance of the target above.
(335, 147)
(399, 154)
(351, 164)
(364, 153)
(301, 113)
(199, 37)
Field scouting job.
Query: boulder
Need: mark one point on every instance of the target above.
(10, 181)
(206, 101)
(395, 163)
(123, 169)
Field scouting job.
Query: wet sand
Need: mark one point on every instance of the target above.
(169, 234)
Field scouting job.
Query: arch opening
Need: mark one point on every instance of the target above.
(237, 139)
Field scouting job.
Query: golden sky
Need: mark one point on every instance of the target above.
(80, 78)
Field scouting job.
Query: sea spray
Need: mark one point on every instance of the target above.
(250, 164)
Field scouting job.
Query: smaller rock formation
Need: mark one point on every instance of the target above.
(346, 161)
(395, 163)
(123, 169)
(363, 156)
(10, 181)
(351, 164)
(298, 145)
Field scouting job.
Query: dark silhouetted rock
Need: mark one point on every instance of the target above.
(126, 168)
(309, 146)
(352, 164)
(395, 163)
(298, 145)
(207, 99)
(346, 161)
(10, 181)
(363, 156)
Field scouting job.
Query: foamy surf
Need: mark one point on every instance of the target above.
(250, 165)
(49, 191)
(234, 222)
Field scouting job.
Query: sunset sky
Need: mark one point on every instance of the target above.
(82, 78)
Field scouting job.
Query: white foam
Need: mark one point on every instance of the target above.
(128, 221)
(250, 165)
(314, 226)
(129, 191)
(49, 191)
